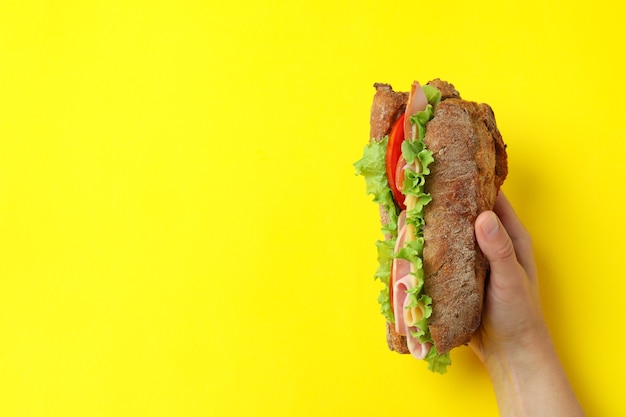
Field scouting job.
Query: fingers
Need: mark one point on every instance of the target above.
(508, 217)
(496, 244)
(518, 234)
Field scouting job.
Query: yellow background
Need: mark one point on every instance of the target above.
(182, 232)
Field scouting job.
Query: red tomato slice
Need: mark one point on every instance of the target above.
(394, 152)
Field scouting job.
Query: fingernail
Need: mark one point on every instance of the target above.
(490, 226)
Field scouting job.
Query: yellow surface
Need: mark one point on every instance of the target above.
(182, 233)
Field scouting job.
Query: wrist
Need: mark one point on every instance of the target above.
(529, 380)
(524, 352)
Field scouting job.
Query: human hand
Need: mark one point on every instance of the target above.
(512, 316)
(513, 340)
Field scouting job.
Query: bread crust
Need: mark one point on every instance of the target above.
(463, 182)
(387, 107)
(469, 168)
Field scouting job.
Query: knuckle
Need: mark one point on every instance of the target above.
(506, 250)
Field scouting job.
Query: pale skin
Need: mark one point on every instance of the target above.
(513, 341)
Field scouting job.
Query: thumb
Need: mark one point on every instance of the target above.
(496, 244)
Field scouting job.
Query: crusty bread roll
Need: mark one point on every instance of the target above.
(470, 165)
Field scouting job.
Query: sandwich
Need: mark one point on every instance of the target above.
(434, 162)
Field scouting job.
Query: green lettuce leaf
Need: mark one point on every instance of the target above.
(372, 167)
(412, 252)
(436, 362)
(383, 273)
(415, 151)
(410, 150)
(433, 95)
(413, 183)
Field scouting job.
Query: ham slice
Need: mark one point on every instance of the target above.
(402, 278)
(417, 103)
(417, 349)
(401, 301)
(400, 288)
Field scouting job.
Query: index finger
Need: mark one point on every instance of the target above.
(518, 233)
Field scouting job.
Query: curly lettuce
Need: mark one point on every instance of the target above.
(416, 153)
(372, 167)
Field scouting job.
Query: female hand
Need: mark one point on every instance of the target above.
(512, 316)
(513, 340)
